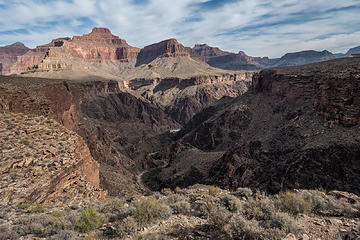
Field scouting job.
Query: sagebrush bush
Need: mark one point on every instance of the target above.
(218, 217)
(181, 207)
(90, 219)
(328, 205)
(294, 203)
(148, 209)
(241, 228)
(232, 203)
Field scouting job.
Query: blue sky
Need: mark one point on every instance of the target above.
(258, 27)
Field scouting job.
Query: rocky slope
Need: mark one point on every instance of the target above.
(42, 162)
(119, 128)
(304, 57)
(296, 124)
(348, 53)
(206, 52)
(9, 54)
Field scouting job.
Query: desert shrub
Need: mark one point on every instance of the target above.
(213, 191)
(126, 227)
(181, 207)
(259, 209)
(65, 235)
(218, 217)
(24, 206)
(90, 219)
(6, 232)
(38, 208)
(148, 209)
(25, 141)
(243, 192)
(166, 191)
(329, 205)
(177, 189)
(283, 221)
(294, 203)
(57, 214)
(241, 228)
(232, 203)
(41, 225)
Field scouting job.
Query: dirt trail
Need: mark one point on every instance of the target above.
(140, 181)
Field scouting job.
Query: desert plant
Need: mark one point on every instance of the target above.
(181, 207)
(294, 203)
(89, 220)
(213, 191)
(24, 206)
(218, 217)
(232, 203)
(166, 191)
(148, 209)
(57, 214)
(38, 208)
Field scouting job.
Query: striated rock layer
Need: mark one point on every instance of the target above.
(42, 162)
(167, 48)
(97, 47)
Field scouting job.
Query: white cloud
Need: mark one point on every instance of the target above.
(157, 20)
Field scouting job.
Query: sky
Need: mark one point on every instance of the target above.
(258, 27)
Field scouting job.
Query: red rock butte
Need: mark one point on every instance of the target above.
(100, 35)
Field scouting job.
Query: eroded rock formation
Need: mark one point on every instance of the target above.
(9, 54)
(167, 48)
(42, 162)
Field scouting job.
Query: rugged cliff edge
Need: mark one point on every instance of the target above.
(297, 128)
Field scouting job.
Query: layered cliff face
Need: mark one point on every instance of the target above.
(297, 128)
(167, 48)
(33, 57)
(206, 52)
(9, 54)
(42, 162)
(79, 53)
(183, 98)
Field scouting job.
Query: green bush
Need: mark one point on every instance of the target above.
(148, 209)
(57, 214)
(24, 206)
(90, 219)
(38, 208)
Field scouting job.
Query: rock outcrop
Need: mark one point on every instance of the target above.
(9, 54)
(34, 56)
(183, 98)
(167, 48)
(206, 52)
(42, 162)
(297, 128)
